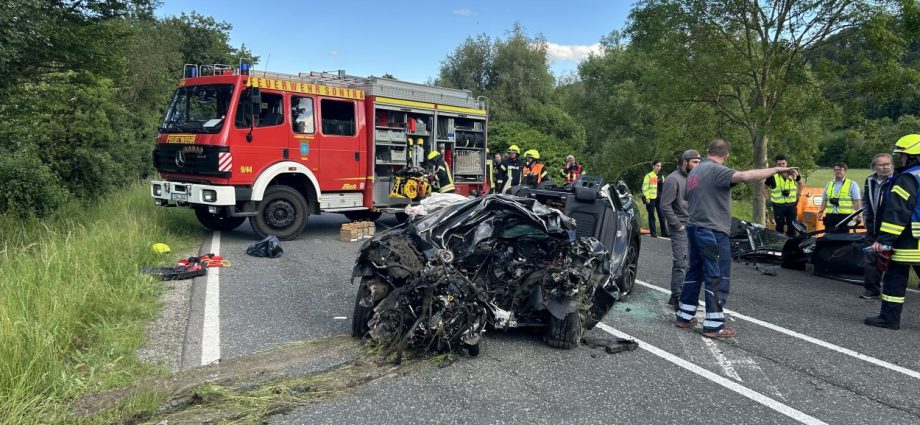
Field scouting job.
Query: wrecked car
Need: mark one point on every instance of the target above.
(751, 242)
(555, 258)
(833, 255)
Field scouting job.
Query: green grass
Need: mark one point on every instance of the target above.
(820, 177)
(741, 209)
(73, 304)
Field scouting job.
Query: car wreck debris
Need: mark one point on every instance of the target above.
(436, 283)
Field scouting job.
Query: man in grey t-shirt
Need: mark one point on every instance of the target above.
(710, 207)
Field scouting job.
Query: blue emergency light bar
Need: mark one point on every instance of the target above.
(191, 70)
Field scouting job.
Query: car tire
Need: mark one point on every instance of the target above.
(565, 333)
(217, 222)
(361, 315)
(282, 212)
(627, 280)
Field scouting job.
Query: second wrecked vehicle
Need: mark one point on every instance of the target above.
(436, 283)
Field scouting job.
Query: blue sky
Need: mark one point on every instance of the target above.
(408, 39)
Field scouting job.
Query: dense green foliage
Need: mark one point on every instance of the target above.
(820, 81)
(514, 76)
(85, 83)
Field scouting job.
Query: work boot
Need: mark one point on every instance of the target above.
(674, 301)
(878, 322)
(869, 295)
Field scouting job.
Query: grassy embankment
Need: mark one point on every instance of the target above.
(73, 304)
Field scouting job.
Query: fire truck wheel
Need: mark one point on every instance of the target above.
(282, 213)
(217, 222)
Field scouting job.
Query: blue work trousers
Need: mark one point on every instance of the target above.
(710, 265)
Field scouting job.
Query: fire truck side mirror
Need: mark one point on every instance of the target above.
(255, 98)
(252, 108)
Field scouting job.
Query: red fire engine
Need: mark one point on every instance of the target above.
(276, 147)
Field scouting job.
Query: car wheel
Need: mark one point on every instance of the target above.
(217, 222)
(282, 213)
(361, 315)
(628, 279)
(565, 333)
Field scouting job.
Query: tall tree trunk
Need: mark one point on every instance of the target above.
(760, 161)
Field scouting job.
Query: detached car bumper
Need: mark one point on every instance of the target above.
(169, 192)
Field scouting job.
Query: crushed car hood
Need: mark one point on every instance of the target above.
(497, 261)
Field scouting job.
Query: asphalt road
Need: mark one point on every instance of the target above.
(802, 353)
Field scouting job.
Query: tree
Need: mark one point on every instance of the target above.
(513, 74)
(469, 66)
(746, 59)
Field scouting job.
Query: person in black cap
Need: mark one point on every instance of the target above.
(674, 210)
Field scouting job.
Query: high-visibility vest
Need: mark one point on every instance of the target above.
(490, 174)
(534, 175)
(781, 184)
(844, 201)
(650, 186)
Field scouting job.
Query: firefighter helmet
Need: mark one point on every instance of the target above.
(515, 149)
(909, 144)
(433, 154)
(532, 153)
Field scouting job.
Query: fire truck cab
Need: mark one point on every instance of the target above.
(276, 148)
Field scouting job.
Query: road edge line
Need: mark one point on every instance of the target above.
(716, 378)
(833, 347)
(210, 325)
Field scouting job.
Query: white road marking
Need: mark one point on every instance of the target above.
(210, 332)
(878, 362)
(913, 290)
(729, 384)
(721, 360)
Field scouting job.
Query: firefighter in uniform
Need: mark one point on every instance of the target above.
(511, 168)
(899, 229)
(534, 173)
(650, 184)
(497, 172)
(443, 180)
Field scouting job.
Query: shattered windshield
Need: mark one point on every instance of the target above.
(198, 109)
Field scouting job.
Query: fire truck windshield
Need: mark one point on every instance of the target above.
(198, 109)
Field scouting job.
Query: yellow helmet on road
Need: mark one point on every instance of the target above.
(433, 154)
(515, 149)
(909, 144)
(532, 153)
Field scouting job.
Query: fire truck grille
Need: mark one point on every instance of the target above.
(199, 160)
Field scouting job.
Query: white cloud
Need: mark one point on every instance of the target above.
(462, 12)
(571, 52)
(334, 52)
